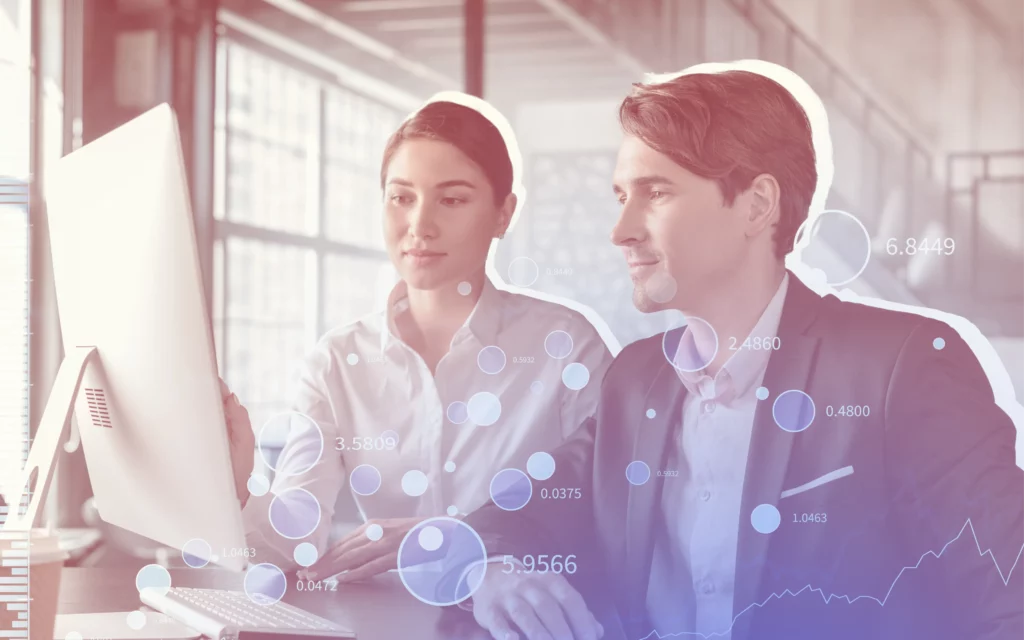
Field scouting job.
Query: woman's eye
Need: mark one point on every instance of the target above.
(399, 199)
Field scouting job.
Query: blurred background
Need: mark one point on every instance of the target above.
(285, 105)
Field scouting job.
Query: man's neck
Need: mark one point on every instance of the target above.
(734, 308)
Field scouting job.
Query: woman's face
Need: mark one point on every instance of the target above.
(439, 214)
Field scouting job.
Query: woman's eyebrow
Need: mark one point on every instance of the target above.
(455, 183)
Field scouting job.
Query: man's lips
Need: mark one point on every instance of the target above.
(421, 253)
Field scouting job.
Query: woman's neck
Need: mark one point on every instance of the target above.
(434, 315)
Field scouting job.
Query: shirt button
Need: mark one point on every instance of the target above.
(705, 495)
(709, 407)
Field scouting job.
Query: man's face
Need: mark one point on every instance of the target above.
(680, 240)
(439, 214)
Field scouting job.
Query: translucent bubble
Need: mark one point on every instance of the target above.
(453, 511)
(761, 393)
(651, 413)
(430, 538)
(511, 489)
(541, 465)
(305, 554)
(285, 426)
(375, 532)
(575, 376)
(449, 466)
(537, 387)
(558, 344)
(637, 472)
(765, 518)
(491, 360)
(793, 410)
(484, 408)
(465, 288)
(196, 553)
(939, 343)
(458, 412)
(414, 483)
(153, 576)
(294, 513)
(73, 635)
(436, 576)
(691, 347)
(136, 620)
(265, 584)
(365, 480)
(839, 246)
(258, 484)
(352, 358)
(390, 438)
(523, 271)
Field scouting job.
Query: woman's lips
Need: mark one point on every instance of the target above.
(422, 258)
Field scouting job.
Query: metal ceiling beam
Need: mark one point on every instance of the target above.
(585, 28)
(362, 41)
(345, 74)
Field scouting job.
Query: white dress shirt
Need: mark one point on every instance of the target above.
(701, 507)
(362, 381)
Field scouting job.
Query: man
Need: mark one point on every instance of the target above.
(790, 465)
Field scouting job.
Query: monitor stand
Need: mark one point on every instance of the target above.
(56, 415)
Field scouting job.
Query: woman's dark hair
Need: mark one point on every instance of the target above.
(465, 128)
(731, 127)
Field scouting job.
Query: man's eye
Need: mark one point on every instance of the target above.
(655, 194)
(400, 199)
(452, 201)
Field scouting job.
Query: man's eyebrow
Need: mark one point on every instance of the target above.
(400, 181)
(643, 181)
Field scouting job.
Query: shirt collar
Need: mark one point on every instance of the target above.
(744, 367)
(483, 323)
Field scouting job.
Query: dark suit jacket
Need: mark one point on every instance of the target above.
(918, 542)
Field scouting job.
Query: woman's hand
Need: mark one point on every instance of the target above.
(241, 439)
(360, 557)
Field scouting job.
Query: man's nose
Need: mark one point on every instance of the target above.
(629, 228)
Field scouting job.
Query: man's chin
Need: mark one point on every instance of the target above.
(643, 302)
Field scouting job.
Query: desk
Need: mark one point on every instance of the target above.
(379, 609)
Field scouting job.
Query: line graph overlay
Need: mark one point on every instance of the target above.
(829, 597)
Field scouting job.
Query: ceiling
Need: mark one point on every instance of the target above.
(534, 49)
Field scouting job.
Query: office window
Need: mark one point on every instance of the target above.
(356, 131)
(298, 248)
(15, 126)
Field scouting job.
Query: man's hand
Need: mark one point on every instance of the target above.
(544, 606)
(241, 439)
(359, 556)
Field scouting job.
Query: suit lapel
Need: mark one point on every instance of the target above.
(650, 445)
(768, 459)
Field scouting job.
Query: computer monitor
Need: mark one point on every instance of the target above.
(128, 282)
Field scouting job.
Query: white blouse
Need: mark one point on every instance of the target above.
(520, 376)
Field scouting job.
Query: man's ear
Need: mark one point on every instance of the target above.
(763, 208)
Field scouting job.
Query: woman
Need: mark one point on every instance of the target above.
(418, 406)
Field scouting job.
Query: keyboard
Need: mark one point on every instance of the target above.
(225, 615)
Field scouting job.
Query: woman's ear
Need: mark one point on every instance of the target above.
(508, 207)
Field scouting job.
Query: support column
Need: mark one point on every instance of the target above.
(473, 49)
